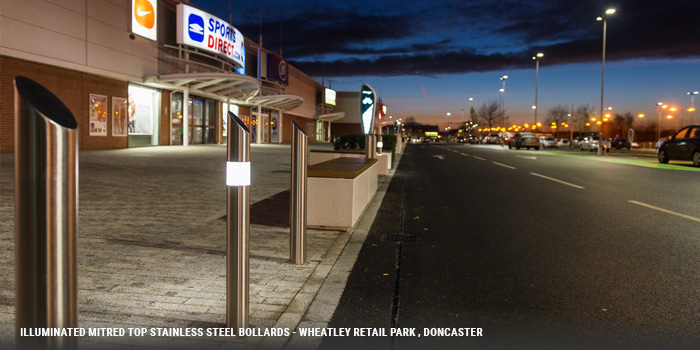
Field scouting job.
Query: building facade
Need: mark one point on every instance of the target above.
(131, 70)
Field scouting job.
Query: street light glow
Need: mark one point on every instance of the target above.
(609, 11)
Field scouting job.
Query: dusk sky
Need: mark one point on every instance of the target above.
(426, 58)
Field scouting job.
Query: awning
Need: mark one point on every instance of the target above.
(281, 102)
(218, 86)
(332, 116)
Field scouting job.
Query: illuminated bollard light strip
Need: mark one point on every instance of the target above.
(237, 173)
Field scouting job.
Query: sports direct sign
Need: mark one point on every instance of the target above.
(201, 30)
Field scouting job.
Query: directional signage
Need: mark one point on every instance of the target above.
(368, 106)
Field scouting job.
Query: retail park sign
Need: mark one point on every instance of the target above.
(199, 29)
(368, 103)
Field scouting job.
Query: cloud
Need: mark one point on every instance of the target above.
(392, 38)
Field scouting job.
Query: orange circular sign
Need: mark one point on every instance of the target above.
(144, 13)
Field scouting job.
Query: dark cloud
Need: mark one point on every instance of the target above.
(344, 39)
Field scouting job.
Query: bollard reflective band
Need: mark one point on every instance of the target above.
(380, 144)
(237, 173)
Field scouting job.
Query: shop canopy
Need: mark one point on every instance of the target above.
(332, 116)
(281, 102)
(220, 86)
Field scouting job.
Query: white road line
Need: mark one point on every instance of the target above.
(464, 154)
(503, 165)
(524, 157)
(559, 181)
(665, 210)
(479, 158)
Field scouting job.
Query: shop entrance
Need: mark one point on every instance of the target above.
(201, 120)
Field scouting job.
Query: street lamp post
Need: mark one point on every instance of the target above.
(692, 106)
(537, 78)
(658, 125)
(604, 18)
(503, 101)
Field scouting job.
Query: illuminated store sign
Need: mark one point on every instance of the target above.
(330, 97)
(368, 103)
(143, 18)
(199, 29)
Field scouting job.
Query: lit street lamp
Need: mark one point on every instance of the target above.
(692, 106)
(658, 125)
(604, 18)
(503, 100)
(537, 78)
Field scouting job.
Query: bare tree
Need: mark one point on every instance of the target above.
(581, 116)
(556, 115)
(489, 113)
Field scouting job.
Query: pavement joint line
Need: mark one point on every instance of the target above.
(504, 165)
(665, 210)
(559, 181)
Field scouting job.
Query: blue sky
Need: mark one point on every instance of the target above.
(425, 59)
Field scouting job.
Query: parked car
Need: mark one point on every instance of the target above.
(492, 138)
(591, 143)
(578, 140)
(524, 139)
(548, 142)
(684, 145)
(634, 145)
(618, 143)
(564, 143)
(461, 139)
(658, 143)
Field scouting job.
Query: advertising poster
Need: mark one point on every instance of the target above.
(119, 115)
(98, 115)
(140, 111)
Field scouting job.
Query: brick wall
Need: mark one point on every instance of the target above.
(72, 87)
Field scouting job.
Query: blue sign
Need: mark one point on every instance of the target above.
(195, 27)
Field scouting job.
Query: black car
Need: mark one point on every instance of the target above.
(618, 143)
(684, 145)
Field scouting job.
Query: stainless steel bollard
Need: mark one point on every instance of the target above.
(238, 224)
(380, 144)
(297, 209)
(46, 220)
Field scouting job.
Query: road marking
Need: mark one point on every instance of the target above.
(439, 157)
(479, 158)
(524, 157)
(559, 181)
(665, 210)
(464, 154)
(503, 165)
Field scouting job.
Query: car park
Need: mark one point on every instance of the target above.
(548, 142)
(564, 143)
(683, 145)
(524, 139)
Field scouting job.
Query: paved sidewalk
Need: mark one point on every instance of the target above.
(151, 248)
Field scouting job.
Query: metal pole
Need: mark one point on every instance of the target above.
(537, 80)
(379, 143)
(46, 220)
(297, 209)
(602, 89)
(238, 228)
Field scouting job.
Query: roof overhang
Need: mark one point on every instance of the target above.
(332, 116)
(281, 102)
(220, 86)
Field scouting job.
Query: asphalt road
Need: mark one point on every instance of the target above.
(538, 250)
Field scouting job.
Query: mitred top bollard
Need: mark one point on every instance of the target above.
(46, 221)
